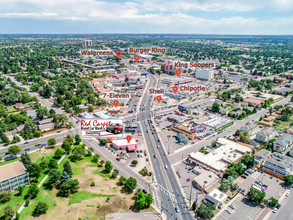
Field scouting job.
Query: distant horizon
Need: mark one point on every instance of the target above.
(180, 34)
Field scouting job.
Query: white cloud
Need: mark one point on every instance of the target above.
(160, 16)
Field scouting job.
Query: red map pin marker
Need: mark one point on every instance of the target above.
(175, 89)
(118, 53)
(116, 103)
(128, 138)
(136, 58)
(178, 72)
(159, 98)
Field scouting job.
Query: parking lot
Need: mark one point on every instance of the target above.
(186, 176)
(275, 186)
(202, 131)
(243, 210)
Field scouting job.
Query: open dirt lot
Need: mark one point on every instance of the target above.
(88, 206)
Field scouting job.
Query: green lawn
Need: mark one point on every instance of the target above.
(44, 196)
(11, 109)
(99, 171)
(84, 101)
(15, 202)
(84, 195)
(282, 125)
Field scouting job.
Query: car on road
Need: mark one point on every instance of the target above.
(26, 142)
(27, 149)
(275, 210)
(7, 153)
(177, 209)
(144, 191)
(287, 194)
(278, 206)
(58, 131)
(147, 159)
(155, 156)
(166, 167)
(118, 158)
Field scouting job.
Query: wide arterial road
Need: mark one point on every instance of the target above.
(167, 185)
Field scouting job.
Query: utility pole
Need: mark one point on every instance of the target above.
(169, 144)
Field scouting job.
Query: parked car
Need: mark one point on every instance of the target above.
(232, 206)
(27, 149)
(287, 194)
(26, 142)
(246, 174)
(144, 191)
(239, 189)
(229, 211)
(243, 191)
(278, 206)
(118, 158)
(243, 176)
(274, 210)
(177, 209)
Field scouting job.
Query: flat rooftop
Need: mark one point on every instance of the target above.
(220, 158)
(11, 170)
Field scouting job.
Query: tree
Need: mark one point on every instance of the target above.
(8, 213)
(40, 209)
(14, 149)
(103, 142)
(77, 139)
(69, 139)
(5, 197)
(52, 142)
(122, 180)
(96, 158)
(54, 176)
(41, 112)
(34, 170)
(289, 180)
(102, 162)
(244, 137)
(108, 166)
(58, 153)
(131, 184)
(237, 133)
(68, 188)
(25, 159)
(255, 195)
(273, 202)
(148, 200)
(215, 107)
(64, 177)
(205, 211)
(61, 119)
(227, 183)
(20, 190)
(67, 168)
(248, 160)
(134, 162)
(140, 200)
(114, 174)
(52, 164)
(33, 191)
(202, 150)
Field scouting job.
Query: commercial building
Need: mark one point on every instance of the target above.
(219, 159)
(217, 122)
(167, 67)
(204, 179)
(204, 74)
(189, 134)
(279, 165)
(216, 198)
(261, 157)
(123, 144)
(13, 175)
(283, 142)
(88, 43)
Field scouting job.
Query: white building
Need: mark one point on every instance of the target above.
(205, 74)
(220, 159)
(216, 198)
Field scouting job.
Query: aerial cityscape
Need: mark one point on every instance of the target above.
(174, 123)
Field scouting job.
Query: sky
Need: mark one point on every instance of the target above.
(251, 17)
